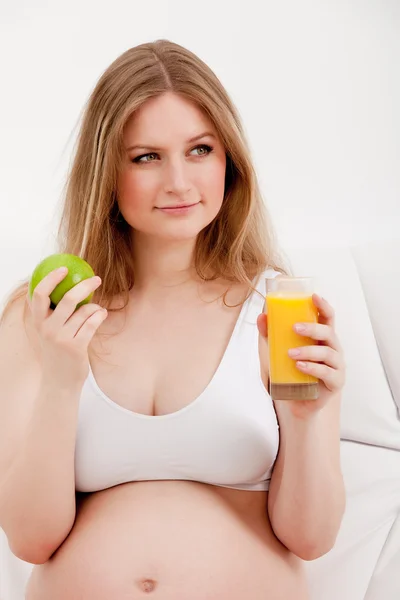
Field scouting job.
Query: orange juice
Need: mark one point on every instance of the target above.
(284, 309)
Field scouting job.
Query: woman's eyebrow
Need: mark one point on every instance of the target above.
(154, 149)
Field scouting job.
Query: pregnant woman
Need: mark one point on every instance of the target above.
(141, 453)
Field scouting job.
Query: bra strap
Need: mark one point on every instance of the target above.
(257, 301)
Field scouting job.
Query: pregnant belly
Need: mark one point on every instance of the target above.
(170, 540)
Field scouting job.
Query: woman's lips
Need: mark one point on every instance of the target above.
(178, 210)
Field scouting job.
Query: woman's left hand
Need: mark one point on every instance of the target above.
(324, 360)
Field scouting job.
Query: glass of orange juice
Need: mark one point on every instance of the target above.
(289, 301)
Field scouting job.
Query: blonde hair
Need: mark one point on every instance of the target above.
(237, 245)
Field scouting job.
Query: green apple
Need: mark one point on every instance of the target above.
(78, 270)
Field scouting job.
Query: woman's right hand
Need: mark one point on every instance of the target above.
(65, 333)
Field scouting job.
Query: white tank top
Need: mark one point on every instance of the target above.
(228, 436)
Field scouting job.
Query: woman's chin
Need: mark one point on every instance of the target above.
(179, 232)
(180, 236)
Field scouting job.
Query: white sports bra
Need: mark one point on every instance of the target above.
(228, 436)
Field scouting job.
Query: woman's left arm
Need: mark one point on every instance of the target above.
(306, 499)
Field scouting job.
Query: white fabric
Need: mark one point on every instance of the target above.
(372, 479)
(369, 413)
(365, 562)
(385, 582)
(378, 267)
(14, 573)
(227, 436)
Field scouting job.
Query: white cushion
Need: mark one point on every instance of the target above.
(14, 573)
(368, 538)
(379, 269)
(385, 582)
(369, 413)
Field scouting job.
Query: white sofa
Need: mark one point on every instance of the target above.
(363, 284)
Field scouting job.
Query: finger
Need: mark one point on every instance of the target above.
(88, 329)
(262, 324)
(321, 354)
(78, 318)
(40, 302)
(319, 332)
(332, 378)
(67, 305)
(325, 310)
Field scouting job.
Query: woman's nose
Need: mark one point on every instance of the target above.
(177, 178)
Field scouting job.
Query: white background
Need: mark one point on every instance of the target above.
(317, 84)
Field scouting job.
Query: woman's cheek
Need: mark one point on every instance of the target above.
(213, 181)
(133, 190)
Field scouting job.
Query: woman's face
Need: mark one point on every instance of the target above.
(166, 168)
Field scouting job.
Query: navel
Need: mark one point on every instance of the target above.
(148, 585)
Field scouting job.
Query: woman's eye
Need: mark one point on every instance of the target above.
(207, 148)
(139, 159)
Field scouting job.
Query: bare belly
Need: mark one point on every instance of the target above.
(170, 540)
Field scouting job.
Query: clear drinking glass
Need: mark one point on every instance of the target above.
(289, 301)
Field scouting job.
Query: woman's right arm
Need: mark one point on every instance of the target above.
(40, 389)
(37, 494)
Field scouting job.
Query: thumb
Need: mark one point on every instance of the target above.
(262, 324)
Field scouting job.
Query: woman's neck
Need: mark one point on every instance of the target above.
(161, 264)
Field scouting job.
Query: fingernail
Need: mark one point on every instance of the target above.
(301, 364)
(62, 270)
(294, 352)
(299, 327)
